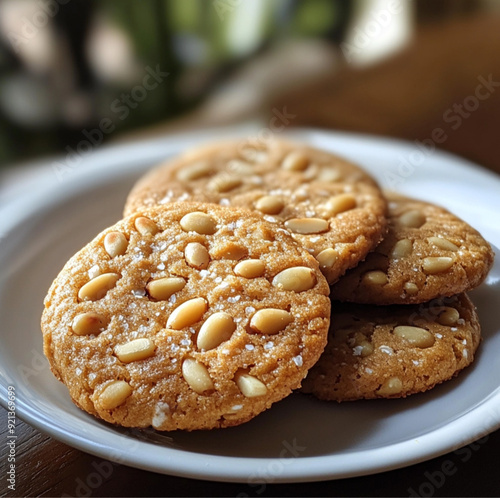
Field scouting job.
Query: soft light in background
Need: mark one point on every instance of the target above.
(81, 71)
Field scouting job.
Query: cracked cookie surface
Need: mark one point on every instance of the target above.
(331, 207)
(428, 252)
(394, 351)
(186, 316)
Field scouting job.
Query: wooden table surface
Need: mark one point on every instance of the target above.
(46, 467)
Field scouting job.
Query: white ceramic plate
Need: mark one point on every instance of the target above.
(299, 439)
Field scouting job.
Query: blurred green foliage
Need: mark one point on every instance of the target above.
(201, 38)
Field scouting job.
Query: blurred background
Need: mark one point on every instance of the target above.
(74, 72)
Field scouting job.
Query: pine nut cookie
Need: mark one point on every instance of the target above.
(332, 207)
(186, 316)
(394, 351)
(428, 252)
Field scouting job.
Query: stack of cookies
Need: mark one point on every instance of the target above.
(408, 324)
(209, 301)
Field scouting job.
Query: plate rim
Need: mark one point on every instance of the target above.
(425, 447)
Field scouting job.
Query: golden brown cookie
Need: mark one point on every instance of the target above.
(428, 252)
(186, 316)
(332, 207)
(394, 351)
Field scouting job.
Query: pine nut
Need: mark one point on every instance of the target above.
(390, 386)
(163, 288)
(298, 279)
(255, 155)
(411, 288)
(250, 268)
(98, 287)
(270, 204)
(224, 183)
(300, 195)
(416, 336)
(218, 328)
(145, 226)
(307, 225)
(114, 394)
(443, 243)
(434, 265)
(89, 323)
(197, 376)
(375, 277)
(187, 313)
(363, 347)
(249, 385)
(327, 258)
(402, 248)
(448, 316)
(241, 168)
(270, 320)
(329, 175)
(339, 204)
(115, 244)
(366, 348)
(196, 255)
(199, 222)
(295, 161)
(138, 349)
(311, 173)
(194, 171)
(412, 219)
